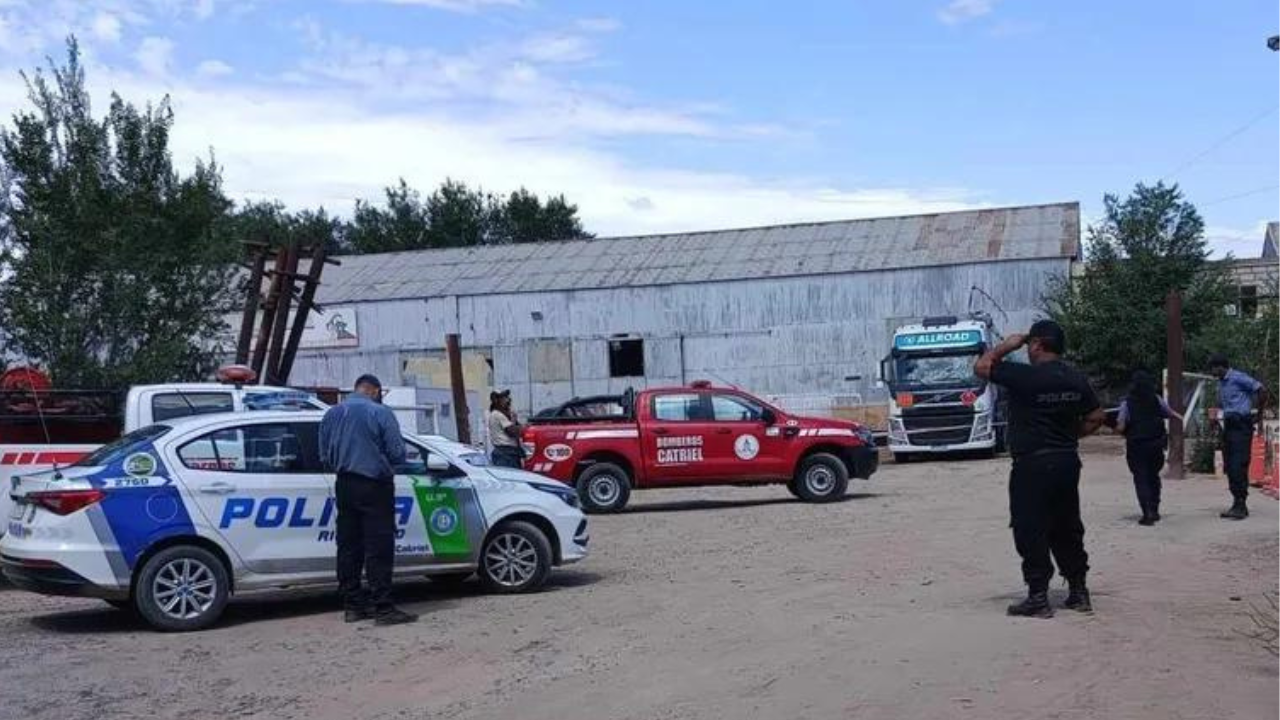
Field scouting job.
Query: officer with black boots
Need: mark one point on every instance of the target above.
(360, 441)
(1051, 407)
(1236, 392)
(1141, 420)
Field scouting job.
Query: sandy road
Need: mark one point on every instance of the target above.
(730, 603)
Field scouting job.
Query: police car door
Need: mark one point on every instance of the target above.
(438, 514)
(260, 485)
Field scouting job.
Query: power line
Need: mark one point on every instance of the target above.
(1247, 193)
(1220, 142)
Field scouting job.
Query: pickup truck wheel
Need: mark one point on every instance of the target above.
(821, 477)
(604, 488)
(515, 558)
(182, 588)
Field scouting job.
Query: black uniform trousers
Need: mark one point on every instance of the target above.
(1237, 445)
(366, 540)
(1146, 459)
(1044, 504)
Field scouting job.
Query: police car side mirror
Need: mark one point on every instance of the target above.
(768, 416)
(437, 465)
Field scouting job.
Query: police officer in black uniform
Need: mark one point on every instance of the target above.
(1051, 406)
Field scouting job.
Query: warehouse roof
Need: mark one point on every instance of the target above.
(848, 246)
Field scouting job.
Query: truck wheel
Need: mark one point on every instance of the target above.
(182, 588)
(515, 558)
(821, 477)
(604, 488)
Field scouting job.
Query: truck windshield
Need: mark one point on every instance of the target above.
(930, 370)
(111, 452)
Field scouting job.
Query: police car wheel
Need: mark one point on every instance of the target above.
(515, 558)
(821, 477)
(604, 488)
(182, 588)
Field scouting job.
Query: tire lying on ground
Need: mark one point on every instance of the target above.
(604, 488)
(821, 477)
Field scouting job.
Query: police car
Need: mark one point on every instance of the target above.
(175, 518)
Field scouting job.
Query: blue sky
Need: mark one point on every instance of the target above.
(665, 116)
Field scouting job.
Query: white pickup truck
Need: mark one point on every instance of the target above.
(144, 405)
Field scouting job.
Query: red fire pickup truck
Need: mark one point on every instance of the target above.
(696, 435)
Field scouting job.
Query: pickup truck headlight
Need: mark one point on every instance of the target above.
(864, 434)
(567, 494)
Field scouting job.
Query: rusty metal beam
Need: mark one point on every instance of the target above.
(253, 296)
(281, 323)
(268, 316)
(460, 413)
(305, 305)
(1174, 351)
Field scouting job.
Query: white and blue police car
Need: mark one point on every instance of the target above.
(175, 518)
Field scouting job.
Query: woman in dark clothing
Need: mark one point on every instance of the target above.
(1142, 422)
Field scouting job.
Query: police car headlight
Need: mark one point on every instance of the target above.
(567, 494)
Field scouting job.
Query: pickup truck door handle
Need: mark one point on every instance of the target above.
(723, 431)
(218, 488)
(660, 431)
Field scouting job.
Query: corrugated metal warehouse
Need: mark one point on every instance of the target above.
(787, 310)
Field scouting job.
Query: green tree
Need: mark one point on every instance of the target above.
(271, 222)
(1145, 245)
(455, 215)
(113, 269)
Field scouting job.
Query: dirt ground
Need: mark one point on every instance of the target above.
(730, 603)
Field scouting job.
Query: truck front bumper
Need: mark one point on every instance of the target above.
(862, 461)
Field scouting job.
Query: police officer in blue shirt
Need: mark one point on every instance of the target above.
(1236, 392)
(360, 441)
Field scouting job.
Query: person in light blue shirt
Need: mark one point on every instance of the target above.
(360, 441)
(1236, 397)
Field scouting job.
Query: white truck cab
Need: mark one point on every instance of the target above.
(936, 404)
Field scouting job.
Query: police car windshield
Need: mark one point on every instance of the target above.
(112, 452)
(476, 459)
(940, 370)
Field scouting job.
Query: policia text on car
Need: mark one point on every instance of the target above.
(1051, 406)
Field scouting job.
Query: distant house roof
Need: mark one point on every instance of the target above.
(998, 234)
(1270, 241)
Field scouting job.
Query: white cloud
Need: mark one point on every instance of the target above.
(106, 27)
(460, 6)
(961, 11)
(204, 9)
(599, 25)
(557, 48)
(154, 55)
(214, 68)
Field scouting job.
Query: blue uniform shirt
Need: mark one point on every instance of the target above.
(1235, 393)
(362, 437)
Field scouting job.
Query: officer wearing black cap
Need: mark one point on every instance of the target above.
(1051, 406)
(360, 441)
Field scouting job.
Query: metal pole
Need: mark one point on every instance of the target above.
(253, 296)
(460, 414)
(1174, 350)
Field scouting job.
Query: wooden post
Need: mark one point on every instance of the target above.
(1174, 350)
(460, 414)
(305, 303)
(252, 296)
(268, 315)
(281, 323)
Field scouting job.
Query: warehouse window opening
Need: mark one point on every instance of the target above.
(626, 358)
